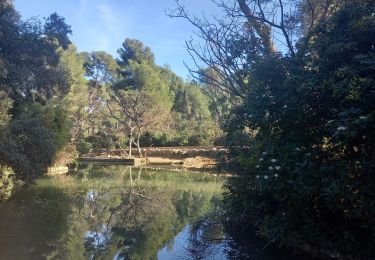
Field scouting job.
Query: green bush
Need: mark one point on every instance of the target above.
(102, 140)
(308, 176)
(83, 147)
(7, 182)
(28, 147)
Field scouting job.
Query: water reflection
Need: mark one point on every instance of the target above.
(113, 212)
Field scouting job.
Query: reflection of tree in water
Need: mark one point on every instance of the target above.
(136, 204)
(136, 220)
(101, 213)
(205, 238)
(121, 225)
(40, 216)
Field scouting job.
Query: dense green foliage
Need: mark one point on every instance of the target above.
(31, 81)
(308, 166)
(55, 102)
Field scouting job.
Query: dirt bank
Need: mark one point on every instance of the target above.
(197, 162)
(180, 152)
(186, 157)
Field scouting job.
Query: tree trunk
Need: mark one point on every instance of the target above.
(261, 29)
(131, 140)
(139, 174)
(138, 145)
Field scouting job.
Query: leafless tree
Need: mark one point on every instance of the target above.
(229, 44)
(136, 112)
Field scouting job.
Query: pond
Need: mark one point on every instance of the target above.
(114, 212)
(121, 212)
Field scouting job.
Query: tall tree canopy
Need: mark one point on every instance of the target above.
(29, 58)
(300, 76)
(135, 50)
(30, 79)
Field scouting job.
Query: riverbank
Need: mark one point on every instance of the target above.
(185, 157)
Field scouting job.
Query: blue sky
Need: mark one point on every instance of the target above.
(104, 24)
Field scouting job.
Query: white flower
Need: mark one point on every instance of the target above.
(261, 159)
(265, 177)
(271, 168)
(341, 128)
(276, 175)
(273, 160)
(257, 176)
(264, 153)
(277, 168)
(363, 117)
(298, 149)
(330, 121)
(257, 166)
(285, 106)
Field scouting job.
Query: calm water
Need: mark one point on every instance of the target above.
(119, 212)
(115, 212)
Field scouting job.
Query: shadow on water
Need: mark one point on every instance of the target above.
(32, 223)
(117, 212)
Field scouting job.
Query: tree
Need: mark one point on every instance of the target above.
(138, 71)
(5, 106)
(220, 102)
(148, 78)
(101, 68)
(304, 107)
(134, 50)
(247, 32)
(27, 147)
(29, 58)
(191, 102)
(137, 112)
(74, 104)
(30, 81)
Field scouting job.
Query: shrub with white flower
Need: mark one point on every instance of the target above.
(319, 140)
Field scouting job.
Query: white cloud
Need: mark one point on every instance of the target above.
(111, 21)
